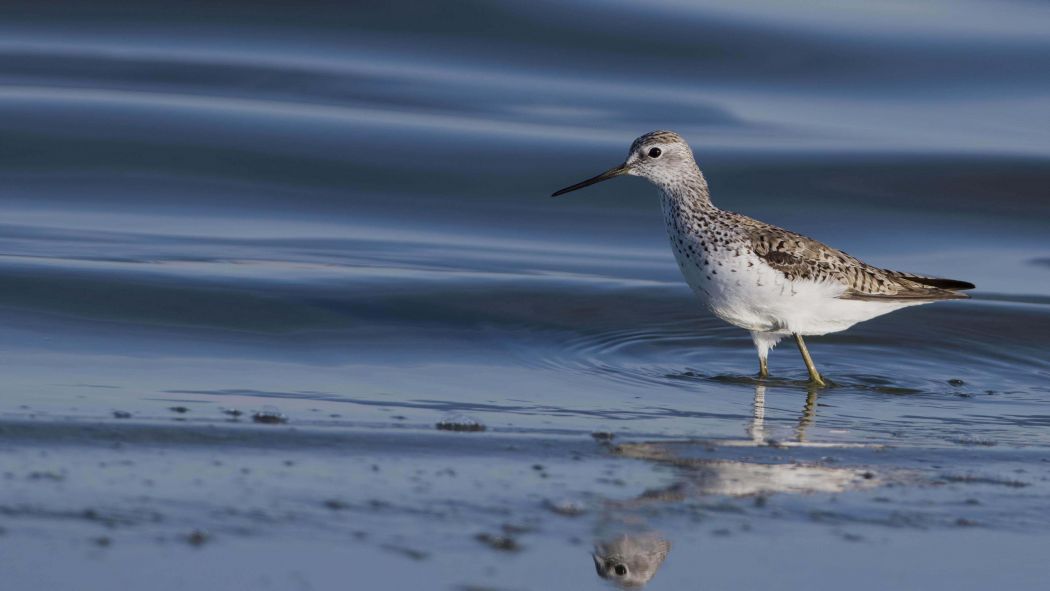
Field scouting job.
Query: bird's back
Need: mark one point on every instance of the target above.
(802, 258)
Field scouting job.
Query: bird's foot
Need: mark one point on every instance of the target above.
(816, 380)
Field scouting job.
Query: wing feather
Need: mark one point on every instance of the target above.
(802, 258)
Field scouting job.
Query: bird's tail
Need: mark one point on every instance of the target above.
(938, 282)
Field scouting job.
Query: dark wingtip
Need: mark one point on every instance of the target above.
(951, 284)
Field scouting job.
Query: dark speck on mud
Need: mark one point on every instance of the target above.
(269, 418)
(496, 542)
(197, 538)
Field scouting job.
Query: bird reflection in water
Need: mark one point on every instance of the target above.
(809, 414)
(757, 428)
(629, 561)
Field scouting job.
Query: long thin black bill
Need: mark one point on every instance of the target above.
(608, 174)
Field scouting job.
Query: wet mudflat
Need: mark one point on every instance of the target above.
(213, 503)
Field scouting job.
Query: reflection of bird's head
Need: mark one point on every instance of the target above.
(630, 561)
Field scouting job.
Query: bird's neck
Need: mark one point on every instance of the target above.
(687, 193)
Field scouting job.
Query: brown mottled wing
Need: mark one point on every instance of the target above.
(802, 258)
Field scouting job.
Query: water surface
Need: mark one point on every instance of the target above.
(341, 214)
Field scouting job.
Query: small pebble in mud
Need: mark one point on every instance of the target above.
(868, 475)
(179, 409)
(602, 436)
(121, 414)
(956, 382)
(565, 508)
(335, 505)
(502, 543)
(460, 423)
(197, 538)
(269, 417)
(233, 412)
(963, 522)
(102, 541)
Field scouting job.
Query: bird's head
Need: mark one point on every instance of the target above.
(659, 156)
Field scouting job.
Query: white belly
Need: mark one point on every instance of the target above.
(746, 292)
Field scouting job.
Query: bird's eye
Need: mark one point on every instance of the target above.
(621, 570)
(655, 152)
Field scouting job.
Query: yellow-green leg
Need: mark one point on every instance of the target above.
(814, 375)
(764, 341)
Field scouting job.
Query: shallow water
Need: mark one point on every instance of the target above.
(342, 215)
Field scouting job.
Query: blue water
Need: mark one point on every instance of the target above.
(342, 212)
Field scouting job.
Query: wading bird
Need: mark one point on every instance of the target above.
(770, 281)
